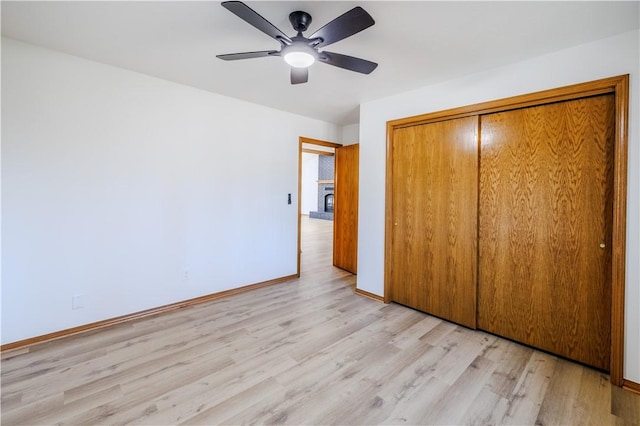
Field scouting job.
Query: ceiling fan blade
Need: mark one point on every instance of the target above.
(345, 25)
(299, 75)
(252, 17)
(347, 62)
(248, 55)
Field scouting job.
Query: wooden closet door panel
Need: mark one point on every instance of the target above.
(345, 217)
(434, 209)
(545, 226)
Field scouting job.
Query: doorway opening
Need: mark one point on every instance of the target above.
(316, 198)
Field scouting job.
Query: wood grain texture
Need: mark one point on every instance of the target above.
(631, 386)
(619, 87)
(311, 141)
(318, 152)
(307, 351)
(546, 203)
(434, 211)
(626, 404)
(621, 91)
(369, 295)
(345, 216)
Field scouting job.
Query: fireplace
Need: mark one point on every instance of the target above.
(325, 189)
(328, 203)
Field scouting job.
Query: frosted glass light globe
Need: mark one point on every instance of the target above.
(299, 59)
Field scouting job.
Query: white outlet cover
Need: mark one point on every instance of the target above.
(77, 301)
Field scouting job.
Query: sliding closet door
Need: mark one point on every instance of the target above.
(433, 255)
(545, 226)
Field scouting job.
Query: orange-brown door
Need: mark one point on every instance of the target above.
(434, 181)
(345, 215)
(545, 226)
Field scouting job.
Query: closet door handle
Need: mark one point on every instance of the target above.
(602, 245)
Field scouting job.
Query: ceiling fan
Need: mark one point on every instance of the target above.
(299, 51)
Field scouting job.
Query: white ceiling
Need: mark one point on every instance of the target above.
(416, 43)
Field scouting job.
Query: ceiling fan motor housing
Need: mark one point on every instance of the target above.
(300, 20)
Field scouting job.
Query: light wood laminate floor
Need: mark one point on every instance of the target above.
(307, 351)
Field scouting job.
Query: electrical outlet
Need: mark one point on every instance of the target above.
(77, 301)
(185, 275)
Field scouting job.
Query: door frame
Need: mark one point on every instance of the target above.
(309, 141)
(619, 87)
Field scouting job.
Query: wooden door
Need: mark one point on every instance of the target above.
(434, 176)
(345, 214)
(545, 226)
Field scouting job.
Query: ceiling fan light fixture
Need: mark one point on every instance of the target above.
(299, 59)
(300, 52)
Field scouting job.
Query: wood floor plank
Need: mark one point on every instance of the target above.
(410, 408)
(237, 404)
(625, 405)
(462, 346)
(119, 363)
(560, 399)
(421, 326)
(451, 406)
(29, 413)
(576, 395)
(526, 399)
(312, 398)
(487, 408)
(511, 359)
(59, 413)
(306, 351)
(181, 404)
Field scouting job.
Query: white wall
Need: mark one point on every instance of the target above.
(350, 134)
(605, 58)
(309, 201)
(114, 183)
